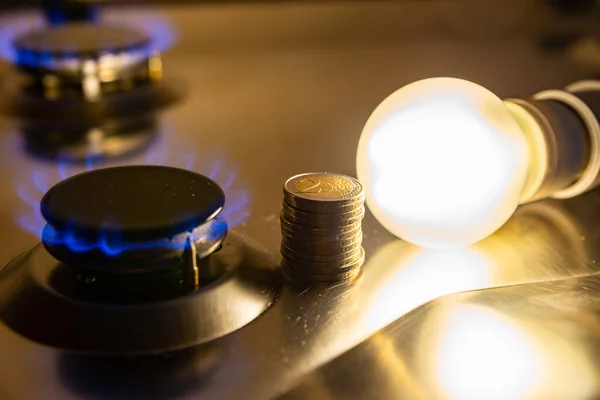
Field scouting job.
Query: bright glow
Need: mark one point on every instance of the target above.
(484, 355)
(443, 162)
(414, 276)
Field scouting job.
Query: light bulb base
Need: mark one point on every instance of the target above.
(558, 145)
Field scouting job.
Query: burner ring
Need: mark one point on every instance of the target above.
(67, 47)
(35, 307)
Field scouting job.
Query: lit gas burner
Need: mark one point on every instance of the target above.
(135, 248)
(95, 221)
(86, 82)
(87, 59)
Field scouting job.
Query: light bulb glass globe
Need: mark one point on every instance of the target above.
(443, 162)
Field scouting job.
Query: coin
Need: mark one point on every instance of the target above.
(329, 235)
(322, 245)
(321, 235)
(326, 249)
(293, 276)
(331, 218)
(336, 229)
(305, 190)
(340, 257)
(318, 223)
(325, 207)
(324, 268)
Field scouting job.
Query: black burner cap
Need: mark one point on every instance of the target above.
(80, 40)
(135, 203)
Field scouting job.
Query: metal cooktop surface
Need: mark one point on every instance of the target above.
(272, 90)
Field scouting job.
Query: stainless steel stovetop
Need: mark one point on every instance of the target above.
(276, 89)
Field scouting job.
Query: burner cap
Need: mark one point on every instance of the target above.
(77, 40)
(132, 202)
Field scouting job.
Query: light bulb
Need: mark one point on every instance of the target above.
(445, 162)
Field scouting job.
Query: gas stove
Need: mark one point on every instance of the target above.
(144, 152)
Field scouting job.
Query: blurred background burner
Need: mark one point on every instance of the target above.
(89, 60)
(86, 87)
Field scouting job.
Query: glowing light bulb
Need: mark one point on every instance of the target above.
(443, 162)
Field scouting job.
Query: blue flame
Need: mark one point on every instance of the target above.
(112, 247)
(233, 214)
(161, 33)
(13, 25)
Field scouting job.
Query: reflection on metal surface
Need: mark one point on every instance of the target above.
(76, 318)
(155, 376)
(410, 276)
(80, 143)
(530, 341)
(479, 351)
(502, 320)
(418, 275)
(467, 350)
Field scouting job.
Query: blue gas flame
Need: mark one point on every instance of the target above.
(13, 25)
(234, 213)
(111, 246)
(161, 33)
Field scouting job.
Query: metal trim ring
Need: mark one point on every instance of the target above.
(534, 126)
(583, 86)
(592, 169)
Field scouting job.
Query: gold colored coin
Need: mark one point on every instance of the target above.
(331, 235)
(319, 223)
(338, 258)
(331, 230)
(294, 277)
(332, 218)
(322, 187)
(325, 249)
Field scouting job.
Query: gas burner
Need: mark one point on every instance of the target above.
(85, 82)
(91, 217)
(135, 260)
(91, 59)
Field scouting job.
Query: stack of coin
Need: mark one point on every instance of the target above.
(321, 235)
